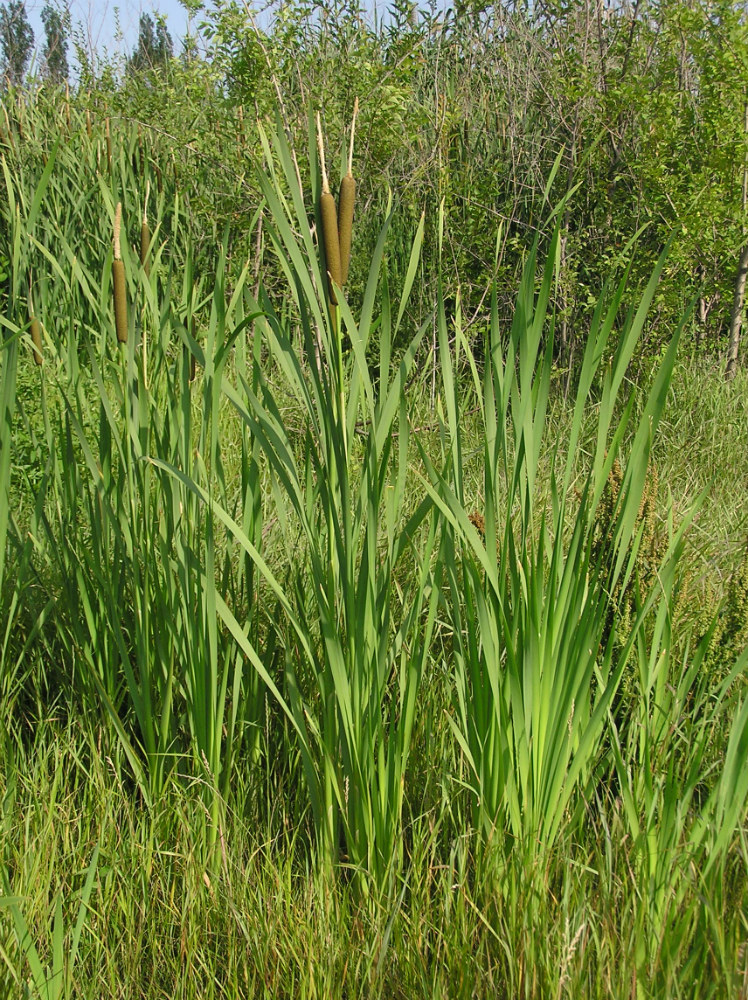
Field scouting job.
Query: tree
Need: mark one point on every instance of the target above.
(155, 47)
(16, 41)
(57, 28)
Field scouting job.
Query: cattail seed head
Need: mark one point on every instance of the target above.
(347, 201)
(118, 277)
(89, 130)
(36, 337)
(145, 242)
(345, 224)
(329, 214)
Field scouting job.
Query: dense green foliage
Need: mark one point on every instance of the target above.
(392, 645)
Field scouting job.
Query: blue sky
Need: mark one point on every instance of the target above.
(111, 26)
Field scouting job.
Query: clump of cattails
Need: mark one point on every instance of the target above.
(145, 234)
(118, 278)
(337, 221)
(329, 213)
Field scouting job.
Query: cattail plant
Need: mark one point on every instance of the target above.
(329, 213)
(346, 202)
(118, 276)
(89, 129)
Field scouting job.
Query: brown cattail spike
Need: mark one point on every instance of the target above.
(347, 201)
(89, 130)
(36, 337)
(329, 213)
(118, 276)
(36, 330)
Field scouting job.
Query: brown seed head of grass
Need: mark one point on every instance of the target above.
(36, 337)
(36, 330)
(118, 277)
(329, 213)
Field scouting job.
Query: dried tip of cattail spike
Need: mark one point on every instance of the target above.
(321, 148)
(353, 132)
(117, 227)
